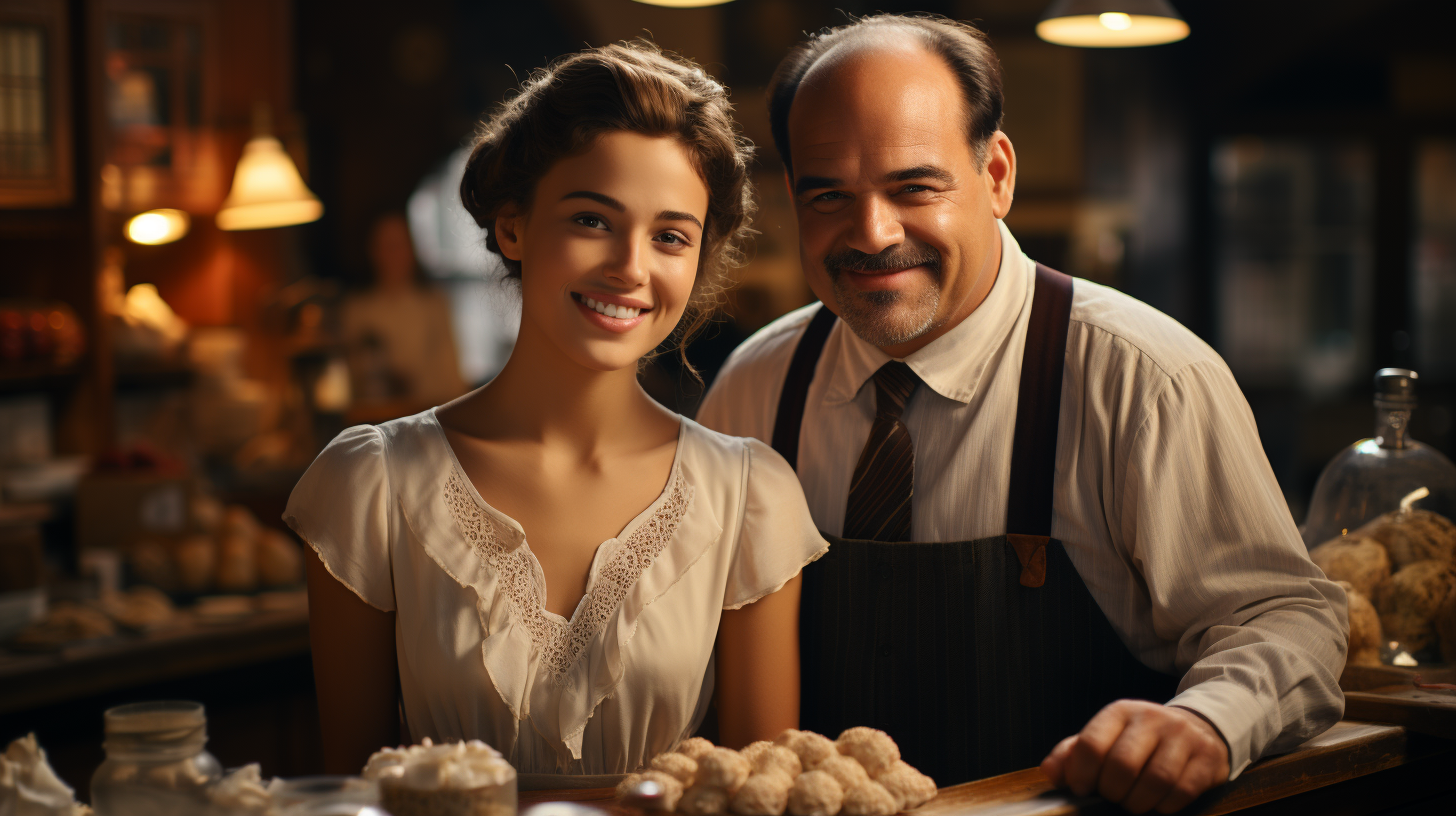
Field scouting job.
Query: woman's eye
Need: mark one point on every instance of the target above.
(591, 221)
(672, 238)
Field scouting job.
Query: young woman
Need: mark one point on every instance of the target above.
(547, 562)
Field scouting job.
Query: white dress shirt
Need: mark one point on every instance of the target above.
(628, 676)
(1164, 499)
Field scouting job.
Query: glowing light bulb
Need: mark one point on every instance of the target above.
(157, 227)
(1115, 20)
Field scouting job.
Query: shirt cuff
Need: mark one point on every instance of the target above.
(1238, 715)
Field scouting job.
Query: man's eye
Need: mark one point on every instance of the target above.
(832, 195)
(591, 221)
(914, 188)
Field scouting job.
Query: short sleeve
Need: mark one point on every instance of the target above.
(341, 508)
(777, 536)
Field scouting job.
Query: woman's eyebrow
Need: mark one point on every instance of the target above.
(597, 197)
(674, 215)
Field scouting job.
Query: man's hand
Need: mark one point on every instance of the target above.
(1142, 756)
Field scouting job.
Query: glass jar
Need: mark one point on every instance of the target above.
(156, 761)
(327, 796)
(1387, 472)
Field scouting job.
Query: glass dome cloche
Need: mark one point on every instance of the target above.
(1387, 472)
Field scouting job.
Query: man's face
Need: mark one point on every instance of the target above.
(897, 224)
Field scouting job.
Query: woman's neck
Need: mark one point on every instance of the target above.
(543, 396)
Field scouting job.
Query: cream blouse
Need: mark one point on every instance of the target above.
(393, 517)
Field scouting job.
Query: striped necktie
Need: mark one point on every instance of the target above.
(884, 478)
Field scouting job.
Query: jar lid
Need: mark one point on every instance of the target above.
(1396, 386)
(177, 716)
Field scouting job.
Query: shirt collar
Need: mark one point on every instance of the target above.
(950, 365)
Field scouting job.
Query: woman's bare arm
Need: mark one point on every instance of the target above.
(758, 668)
(355, 669)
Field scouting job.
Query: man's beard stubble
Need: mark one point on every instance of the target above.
(886, 318)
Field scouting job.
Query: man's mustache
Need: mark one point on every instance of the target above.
(896, 257)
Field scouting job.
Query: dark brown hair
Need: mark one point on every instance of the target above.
(963, 47)
(563, 108)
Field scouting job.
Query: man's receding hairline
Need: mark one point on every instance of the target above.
(886, 36)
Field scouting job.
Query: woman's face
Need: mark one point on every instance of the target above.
(609, 248)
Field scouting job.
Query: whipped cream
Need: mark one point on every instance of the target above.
(28, 784)
(454, 766)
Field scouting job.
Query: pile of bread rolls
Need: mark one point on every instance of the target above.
(800, 772)
(1399, 571)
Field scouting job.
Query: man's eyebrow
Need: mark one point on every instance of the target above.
(674, 215)
(806, 183)
(597, 197)
(922, 171)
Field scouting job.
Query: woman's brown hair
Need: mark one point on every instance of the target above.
(563, 108)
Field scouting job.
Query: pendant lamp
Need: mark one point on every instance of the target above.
(1111, 23)
(683, 3)
(267, 190)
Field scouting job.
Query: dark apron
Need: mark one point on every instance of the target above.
(976, 656)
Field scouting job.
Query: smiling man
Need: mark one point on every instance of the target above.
(1055, 536)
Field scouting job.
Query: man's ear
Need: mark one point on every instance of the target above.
(1000, 173)
(508, 231)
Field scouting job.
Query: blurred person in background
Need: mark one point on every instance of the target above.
(398, 332)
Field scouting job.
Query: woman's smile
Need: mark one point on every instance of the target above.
(615, 314)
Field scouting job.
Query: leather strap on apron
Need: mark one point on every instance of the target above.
(976, 656)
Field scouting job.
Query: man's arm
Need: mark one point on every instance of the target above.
(1195, 510)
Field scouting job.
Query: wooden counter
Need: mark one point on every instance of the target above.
(1355, 767)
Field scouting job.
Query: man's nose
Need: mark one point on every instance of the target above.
(875, 226)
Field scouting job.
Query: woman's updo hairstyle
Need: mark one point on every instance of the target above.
(635, 87)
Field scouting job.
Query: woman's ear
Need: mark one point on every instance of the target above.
(508, 231)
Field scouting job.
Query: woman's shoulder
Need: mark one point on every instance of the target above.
(743, 460)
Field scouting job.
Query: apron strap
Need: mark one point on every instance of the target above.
(796, 385)
(1038, 410)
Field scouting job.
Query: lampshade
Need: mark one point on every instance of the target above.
(267, 190)
(1111, 23)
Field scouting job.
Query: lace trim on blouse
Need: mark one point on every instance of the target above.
(559, 642)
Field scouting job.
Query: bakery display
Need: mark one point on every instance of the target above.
(451, 779)
(799, 772)
(1399, 574)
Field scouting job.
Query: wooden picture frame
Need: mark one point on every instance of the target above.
(36, 157)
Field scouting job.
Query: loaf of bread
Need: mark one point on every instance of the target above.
(1408, 607)
(1365, 636)
(1362, 562)
(1410, 536)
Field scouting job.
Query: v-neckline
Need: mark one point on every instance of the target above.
(600, 553)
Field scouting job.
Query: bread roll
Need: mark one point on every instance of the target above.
(723, 768)
(672, 790)
(695, 747)
(679, 766)
(764, 794)
(812, 748)
(815, 793)
(1408, 608)
(869, 798)
(703, 800)
(1365, 634)
(1360, 561)
(1412, 535)
(872, 747)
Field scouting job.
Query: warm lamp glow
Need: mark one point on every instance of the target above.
(267, 190)
(684, 3)
(157, 227)
(1115, 20)
(1111, 23)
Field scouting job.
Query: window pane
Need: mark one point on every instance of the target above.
(1294, 260)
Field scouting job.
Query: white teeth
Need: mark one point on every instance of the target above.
(611, 309)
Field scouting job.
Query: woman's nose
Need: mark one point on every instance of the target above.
(630, 266)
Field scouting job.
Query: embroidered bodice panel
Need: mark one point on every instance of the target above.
(558, 641)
